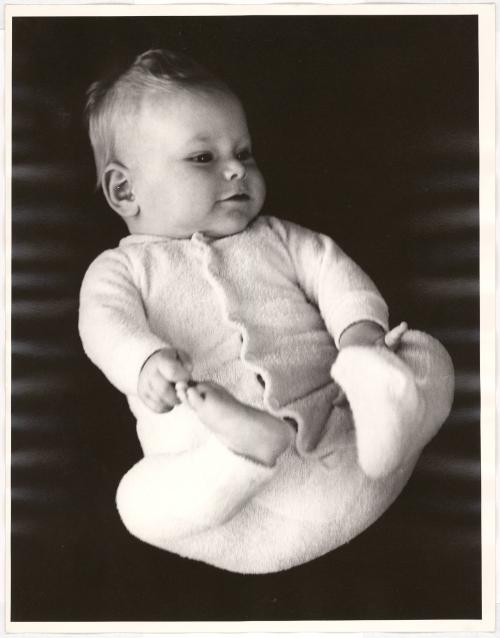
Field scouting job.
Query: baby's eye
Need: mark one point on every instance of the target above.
(244, 154)
(201, 158)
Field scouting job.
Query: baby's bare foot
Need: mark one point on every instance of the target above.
(243, 429)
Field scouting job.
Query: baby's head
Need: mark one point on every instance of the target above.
(172, 149)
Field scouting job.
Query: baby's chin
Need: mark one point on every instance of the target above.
(231, 225)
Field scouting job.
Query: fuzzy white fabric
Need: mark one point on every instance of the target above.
(385, 403)
(269, 303)
(270, 298)
(391, 401)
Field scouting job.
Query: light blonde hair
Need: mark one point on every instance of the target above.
(114, 100)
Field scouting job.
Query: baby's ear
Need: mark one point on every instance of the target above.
(117, 189)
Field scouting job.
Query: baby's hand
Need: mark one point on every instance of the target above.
(157, 379)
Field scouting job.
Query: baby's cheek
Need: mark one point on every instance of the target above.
(259, 187)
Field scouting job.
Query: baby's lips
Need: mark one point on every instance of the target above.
(238, 196)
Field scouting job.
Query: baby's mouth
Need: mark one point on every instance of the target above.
(237, 197)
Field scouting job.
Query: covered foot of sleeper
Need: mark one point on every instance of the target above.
(386, 405)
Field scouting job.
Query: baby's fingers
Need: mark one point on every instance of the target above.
(158, 403)
(172, 368)
(393, 338)
(159, 394)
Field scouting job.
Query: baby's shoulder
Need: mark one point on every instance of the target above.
(112, 263)
(288, 231)
(112, 255)
(138, 260)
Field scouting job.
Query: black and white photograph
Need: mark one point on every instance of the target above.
(250, 319)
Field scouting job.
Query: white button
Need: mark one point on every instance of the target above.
(199, 237)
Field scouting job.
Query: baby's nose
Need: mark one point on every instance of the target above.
(234, 169)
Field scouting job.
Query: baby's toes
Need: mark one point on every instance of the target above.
(196, 396)
(180, 390)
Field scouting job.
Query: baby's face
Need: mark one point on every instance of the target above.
(192, 168)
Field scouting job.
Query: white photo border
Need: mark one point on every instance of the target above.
(486, 20)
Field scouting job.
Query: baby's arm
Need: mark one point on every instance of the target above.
(349, 302)
(114, 328)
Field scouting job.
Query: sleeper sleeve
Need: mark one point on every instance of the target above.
(343, 293)
(112, 321)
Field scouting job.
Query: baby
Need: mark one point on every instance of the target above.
(277, 415)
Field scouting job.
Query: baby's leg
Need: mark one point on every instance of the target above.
(398, 401)
(243, 429)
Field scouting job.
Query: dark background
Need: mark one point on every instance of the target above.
(365, 128)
